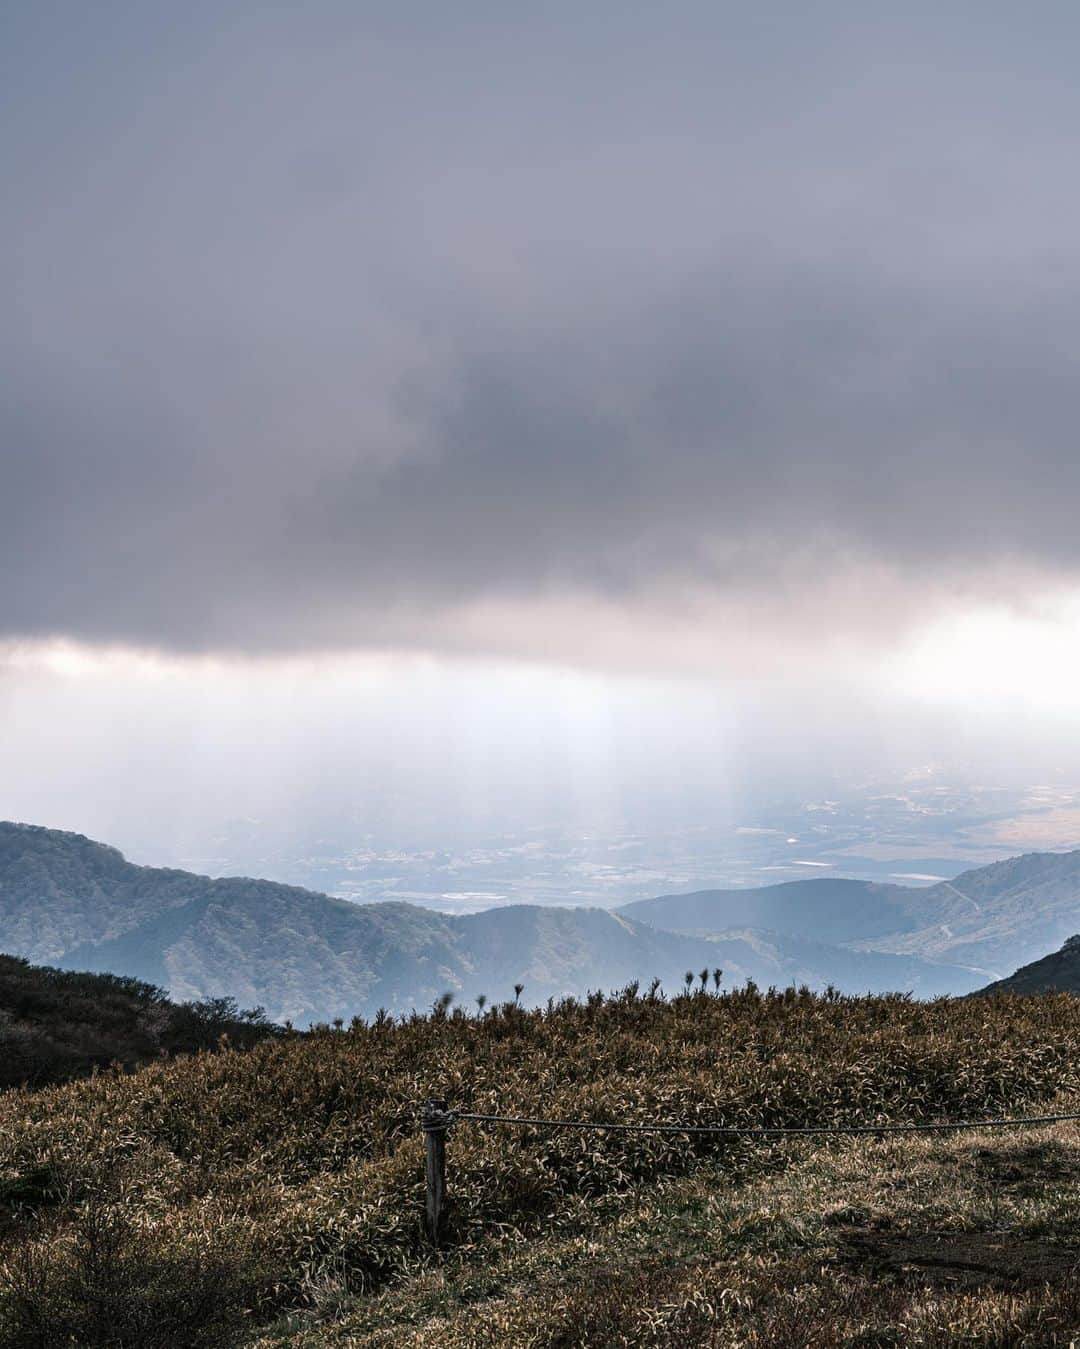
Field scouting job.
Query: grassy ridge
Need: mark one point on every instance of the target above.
(298, 1161)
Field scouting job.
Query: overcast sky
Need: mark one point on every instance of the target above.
(739, 342)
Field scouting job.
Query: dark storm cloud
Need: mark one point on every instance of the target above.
(326, 326)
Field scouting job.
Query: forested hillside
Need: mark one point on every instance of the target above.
(57, 1024)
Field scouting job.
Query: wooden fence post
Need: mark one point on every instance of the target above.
(435, 1122)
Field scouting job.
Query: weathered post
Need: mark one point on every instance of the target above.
(435, 1121)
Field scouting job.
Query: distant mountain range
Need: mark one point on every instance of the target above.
(304, 956)
(69, 901)
(990, 919)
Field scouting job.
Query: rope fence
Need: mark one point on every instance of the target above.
(759, 1131)
(437, 1120)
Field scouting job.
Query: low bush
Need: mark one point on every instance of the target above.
(99, 1279)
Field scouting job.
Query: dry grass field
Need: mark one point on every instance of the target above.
(274, 1196)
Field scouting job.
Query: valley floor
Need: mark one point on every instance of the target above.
(935, 1240)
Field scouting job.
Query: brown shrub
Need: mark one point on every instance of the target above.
(101, 1281)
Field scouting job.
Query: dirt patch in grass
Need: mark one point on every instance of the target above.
(1026, 1169)
(959, 1260)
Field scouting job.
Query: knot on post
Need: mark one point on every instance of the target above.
(435, 1117)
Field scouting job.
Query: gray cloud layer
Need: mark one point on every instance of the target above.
(336, 325)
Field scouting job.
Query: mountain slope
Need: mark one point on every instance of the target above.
(996, 917)
(1058, 972)
(58, 889)
(323, 958)
(991, 918)
(825, 909)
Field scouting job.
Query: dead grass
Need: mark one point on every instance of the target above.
(289, 1179)
(973, 1240)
